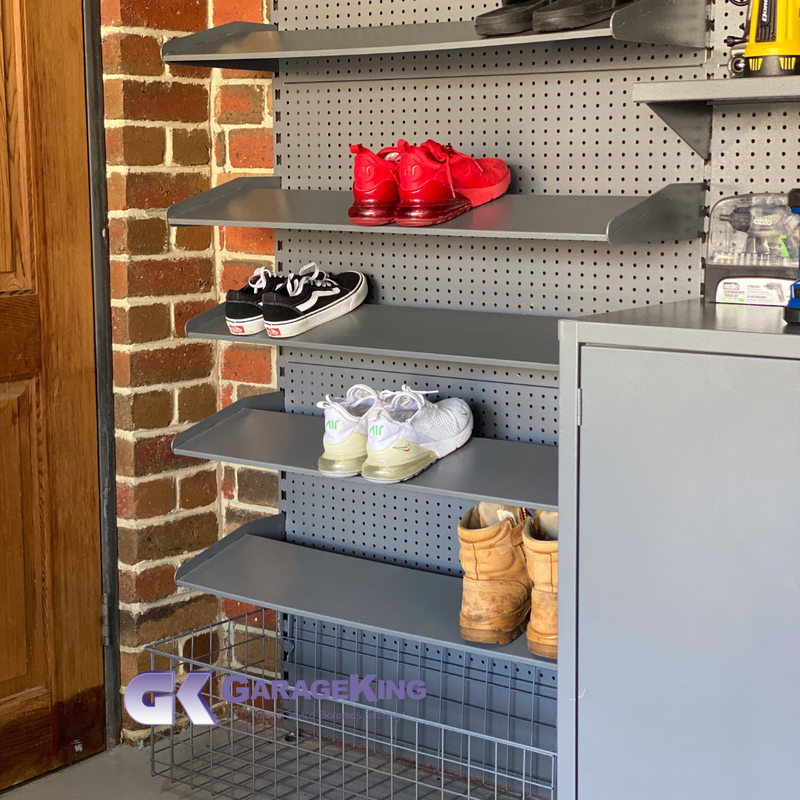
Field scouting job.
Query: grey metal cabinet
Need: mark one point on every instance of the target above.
(683, 557)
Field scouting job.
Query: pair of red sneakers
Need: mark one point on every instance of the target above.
(421, 185)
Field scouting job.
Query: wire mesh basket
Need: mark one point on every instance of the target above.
(392, 747)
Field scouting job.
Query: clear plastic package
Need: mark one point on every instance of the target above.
(753, 250)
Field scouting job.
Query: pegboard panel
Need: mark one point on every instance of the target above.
(548, 57)
(560, 133)
(563, 278)
(512, 411)
(755, 148)
(363, 13)
(392, 524)
(440, 370)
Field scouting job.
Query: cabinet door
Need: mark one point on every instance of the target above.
(688, 577)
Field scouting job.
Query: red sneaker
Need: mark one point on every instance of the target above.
(438, 183)
(375, 187)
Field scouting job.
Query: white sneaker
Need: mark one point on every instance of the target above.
(345, 437)
(407, 433)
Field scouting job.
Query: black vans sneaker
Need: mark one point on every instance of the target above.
(310, 299)
(243, 306)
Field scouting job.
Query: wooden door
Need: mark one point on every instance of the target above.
(51, 647)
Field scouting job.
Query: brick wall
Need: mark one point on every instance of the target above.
(172, 132)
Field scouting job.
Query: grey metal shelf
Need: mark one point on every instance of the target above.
(672, 213)
(245, 44)
(525, 341)
(253, 565)
(256, 431)
(687, 106)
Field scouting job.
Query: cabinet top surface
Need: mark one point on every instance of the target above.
(693, 326)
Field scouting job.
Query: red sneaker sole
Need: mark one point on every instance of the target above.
(360, 214)
(419, 215)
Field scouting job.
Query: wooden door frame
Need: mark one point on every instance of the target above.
(93, 60)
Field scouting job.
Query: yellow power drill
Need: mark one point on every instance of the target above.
(771, 41)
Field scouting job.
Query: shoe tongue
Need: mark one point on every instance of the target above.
(406, 401)
(359, 395)
(389, 154)
(494, 513)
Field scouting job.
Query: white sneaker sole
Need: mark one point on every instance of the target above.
(246, 327)
(283, 330)
(380, 469)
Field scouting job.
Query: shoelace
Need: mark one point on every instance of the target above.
(296, 283)
(407, 391)
(261, 277)
(449, 152)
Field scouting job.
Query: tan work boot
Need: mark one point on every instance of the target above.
(495, 600)
(540, 539)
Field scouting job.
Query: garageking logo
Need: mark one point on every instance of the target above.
(235, 689)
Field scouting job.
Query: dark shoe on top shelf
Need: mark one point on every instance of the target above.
(566, 15)
(509, 19)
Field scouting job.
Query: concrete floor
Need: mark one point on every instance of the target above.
(120, 774)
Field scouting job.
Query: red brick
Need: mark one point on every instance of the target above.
(204, 647)
(257, 487)
(143, 410)
(121, 363)
(241, 362)
(151, 455)
(138, 237)
(236, 274)
(166, 620)
(237, 104)
(248, 390)
(131, 54)
(226, 395)
(139, 324)
(233, 608)
(228, 482)
(193, 238)
(255, 241)
(251, 148)
(191, 148)
(245, 74)
(186, 362)
(198, 490)
(116, 189)
(145, 499)
(236, 517)
(156, 101)
(238, 11)
(165, 277)
(196, 403)
(220, 149)
(135, 146)
(147, 586)
(131, 664)
(148, 190)
(169, 15)
(173, 538)
(187, 310)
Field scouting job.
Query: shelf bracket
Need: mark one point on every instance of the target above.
(691, 121)
(683, 23)
(674, 212)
